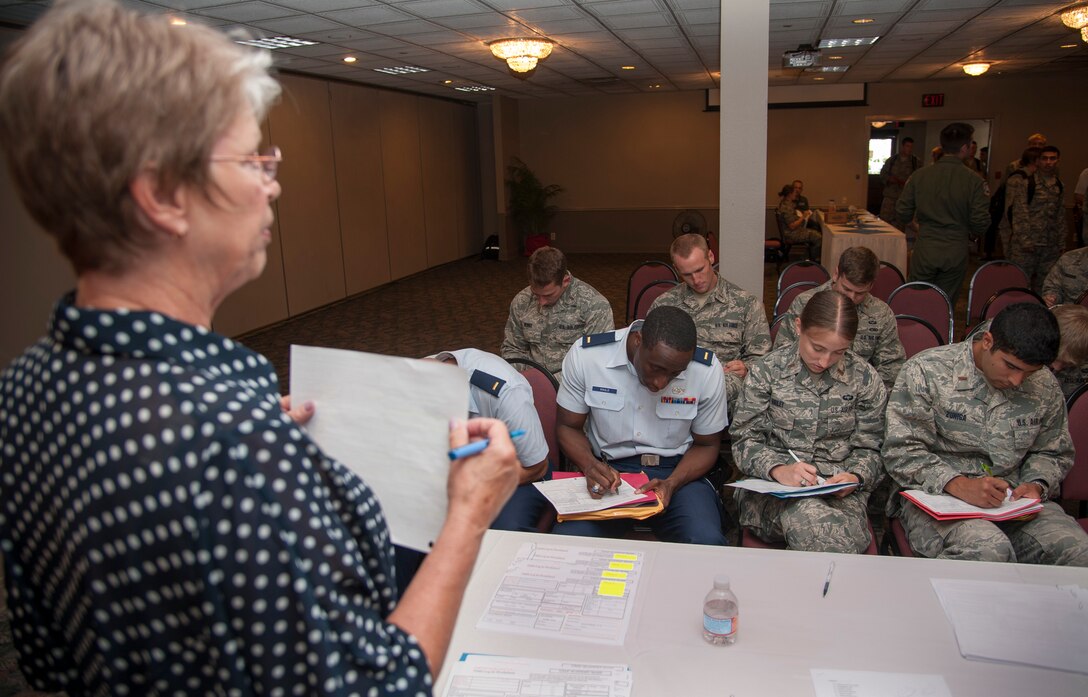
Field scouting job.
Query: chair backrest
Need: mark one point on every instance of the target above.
(803, 270)
(927, 301)
(1008, 296)
(987, 280)
(775, 325)
(1083, 299)
(1075, 485)
(789, 294)
(646, 273)
(916, 334)
(888, 278)
(545, 389)
(649, 294)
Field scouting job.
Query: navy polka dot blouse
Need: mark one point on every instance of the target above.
(166, 529)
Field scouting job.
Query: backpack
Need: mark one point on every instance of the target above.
(997, 201)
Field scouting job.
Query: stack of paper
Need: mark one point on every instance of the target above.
(567, 492)
(510, 676)
(945, 507)
(1028, 624)
(783, 491)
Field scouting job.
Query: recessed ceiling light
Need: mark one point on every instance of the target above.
(1068, 46)
(828, 69)
(845, 43)
(627, 67)
(654, 87)
(178, 22)
(350, 59)
(273, 42)
(863, 20)
(475, 88)
(402, 70)
(817, 78)
(834, 58)
(447, 82)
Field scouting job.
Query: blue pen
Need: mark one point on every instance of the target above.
(478, 446)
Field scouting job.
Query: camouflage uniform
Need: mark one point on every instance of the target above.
(1038, 228)
(544, 334)
(1072, 378)
(945, 420)
(732, 323)
(877, 340)
(787, 211)
(900, 167)
(1068, 278)
(834, 421)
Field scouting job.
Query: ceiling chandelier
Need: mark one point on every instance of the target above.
(522, 55)
(1076, 17)
(975, 69)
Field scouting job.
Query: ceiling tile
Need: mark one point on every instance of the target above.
(247, 11)
(365, 16)
(442, 8)
(655, 19)
(323, 5)
(293, 26)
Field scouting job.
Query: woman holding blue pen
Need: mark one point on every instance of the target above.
(811, 412)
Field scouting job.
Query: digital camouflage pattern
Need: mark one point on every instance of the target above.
(877, 340)
(944, 420)
(1068, 278)
(732, 323)
(835, 421)
(802, 234)
(544, 334)
(1038, 229)
(901, 168)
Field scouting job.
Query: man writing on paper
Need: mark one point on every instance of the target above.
(654, 403)
(980, 420)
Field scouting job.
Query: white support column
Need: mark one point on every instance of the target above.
(742, 146)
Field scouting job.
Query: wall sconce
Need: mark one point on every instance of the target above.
(976, 69)
(521, 55)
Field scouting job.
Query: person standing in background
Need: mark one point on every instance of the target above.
(1038, 220)
(895, 173)
(952, 208)
(1080, 221)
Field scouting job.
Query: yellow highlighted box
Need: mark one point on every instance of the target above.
(621, 566)
(613, 589)
(614, 574)
(625, 557)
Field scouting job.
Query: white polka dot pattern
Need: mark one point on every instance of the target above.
(167, 530)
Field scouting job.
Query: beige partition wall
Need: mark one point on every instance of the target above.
(405, 220)
(360, 183)
(436, 136)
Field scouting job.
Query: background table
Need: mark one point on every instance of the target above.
(888, 243)
(881, 614)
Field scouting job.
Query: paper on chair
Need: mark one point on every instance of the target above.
(1029, 624)
(863, 683)
(388, 420)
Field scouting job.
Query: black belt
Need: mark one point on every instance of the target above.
(646, 460)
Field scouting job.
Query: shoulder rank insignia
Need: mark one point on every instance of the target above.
(702, 355)
(486, 382)
(598, 339)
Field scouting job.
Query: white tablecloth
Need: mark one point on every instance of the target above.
(888, 243)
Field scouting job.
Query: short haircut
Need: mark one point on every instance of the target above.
(93, 94)
(1050, 148)
(671, 325)
(859, 265)
(785, 191)
(1028, 331)
(832, 311)
(1037, 136)
(798, 181)
(1030, 156)
(1073, 325)
(956, 135)
(906, 140)
(684, 245)
(547, 265)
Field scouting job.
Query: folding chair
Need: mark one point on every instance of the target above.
(545, 389)
(646, 273)
(916, 334)
(776, 324)
(1008, 296)
(1075, 486)
(789, 294)
(801, 271)
(649, 294)
(888, 278)
(987, 280)
(927, 301)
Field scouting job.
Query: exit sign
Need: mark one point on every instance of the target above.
(933, 99)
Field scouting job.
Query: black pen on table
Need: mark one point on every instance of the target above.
(827, 581)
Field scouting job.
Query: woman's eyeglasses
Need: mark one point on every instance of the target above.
(267, 161)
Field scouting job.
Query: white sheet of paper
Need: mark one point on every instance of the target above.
(512, 676)
(763, 486)
(1029, 624)
(948, 504)
(863, 683)
(554, 591)
(569, 495)
(388, 419)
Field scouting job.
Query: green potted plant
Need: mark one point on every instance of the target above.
(530, 208)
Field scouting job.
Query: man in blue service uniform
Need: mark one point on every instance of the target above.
(498, 391)
(655, 403)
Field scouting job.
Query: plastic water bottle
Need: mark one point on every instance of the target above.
(720, 613)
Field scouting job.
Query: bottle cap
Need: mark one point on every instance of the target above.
(721, 581)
